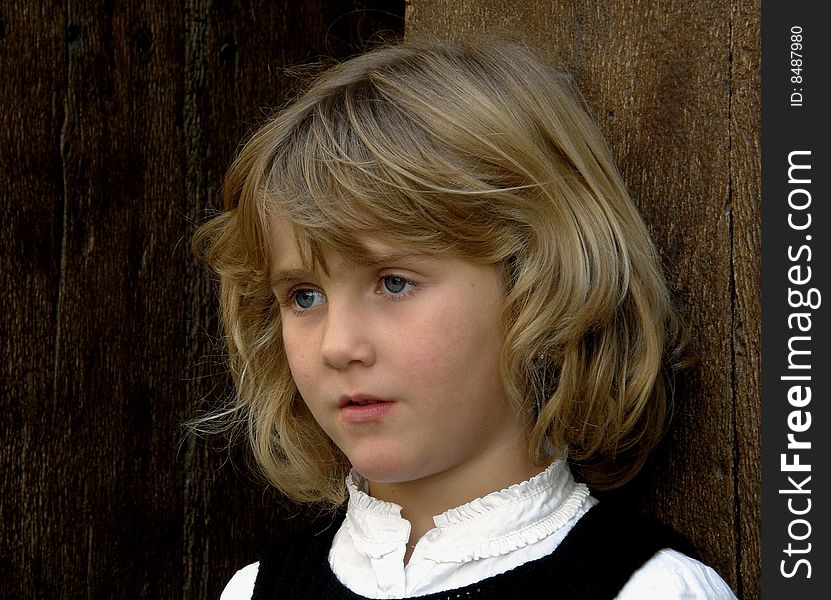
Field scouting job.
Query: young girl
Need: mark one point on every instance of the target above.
(439, 299)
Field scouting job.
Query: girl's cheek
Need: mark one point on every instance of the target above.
(300, 372)
(297, 355)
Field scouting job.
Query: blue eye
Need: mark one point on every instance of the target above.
(394, 284)
(304, 299)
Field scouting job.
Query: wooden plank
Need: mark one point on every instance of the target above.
(111, 433)
(745, 175)
(657, 76)
(32, 81)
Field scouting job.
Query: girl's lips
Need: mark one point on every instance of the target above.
(362, 409)
(359, 399)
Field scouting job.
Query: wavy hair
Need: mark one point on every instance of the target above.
(477, 150)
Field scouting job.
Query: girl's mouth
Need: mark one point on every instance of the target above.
(362, 408)
(359, 400)
(362, 402)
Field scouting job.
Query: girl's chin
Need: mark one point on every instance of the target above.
(382, 474)
(384, 469)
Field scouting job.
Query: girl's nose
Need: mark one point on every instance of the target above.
(346, 337)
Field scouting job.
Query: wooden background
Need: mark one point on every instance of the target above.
(117, 121)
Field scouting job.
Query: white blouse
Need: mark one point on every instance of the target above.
(482, 538)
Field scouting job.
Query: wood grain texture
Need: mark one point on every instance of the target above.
(664, 84)
(113, 483)
(31, 177)
(745, 192)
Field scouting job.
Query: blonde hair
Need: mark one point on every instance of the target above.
(475, 150)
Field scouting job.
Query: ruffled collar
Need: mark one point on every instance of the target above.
(495, 524)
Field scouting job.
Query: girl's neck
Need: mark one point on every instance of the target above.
(423, 498)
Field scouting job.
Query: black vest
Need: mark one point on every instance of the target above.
(593, 562)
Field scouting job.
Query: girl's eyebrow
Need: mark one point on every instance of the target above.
(383, 257)
(281, 278)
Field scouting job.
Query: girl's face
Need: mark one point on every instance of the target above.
(398, 360)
